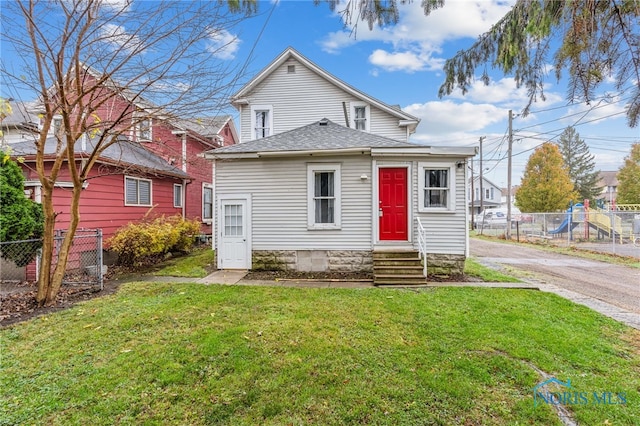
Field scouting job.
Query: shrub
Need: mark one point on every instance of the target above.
(138, 243)
(20, 217)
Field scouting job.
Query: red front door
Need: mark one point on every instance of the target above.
(393, 206)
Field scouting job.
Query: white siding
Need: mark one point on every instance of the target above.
(304, 97)
(446, 233)
(278, 189)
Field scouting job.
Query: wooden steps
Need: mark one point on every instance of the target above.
(397, 268)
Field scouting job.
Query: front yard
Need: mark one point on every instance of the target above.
(192, 354)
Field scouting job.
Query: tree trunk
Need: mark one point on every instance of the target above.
(44, 276)
(49, 283)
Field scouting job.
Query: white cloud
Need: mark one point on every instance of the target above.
(453, 119)
(118, 36)
(223, 44)
(403, 61)
(596, 112)
(418, 39)
(116, 5)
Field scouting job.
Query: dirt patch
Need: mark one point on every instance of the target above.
(319, 276)
(17, 306)
(342, 276)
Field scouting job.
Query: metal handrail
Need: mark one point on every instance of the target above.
(422, 245)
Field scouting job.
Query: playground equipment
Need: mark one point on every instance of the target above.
(606, 224)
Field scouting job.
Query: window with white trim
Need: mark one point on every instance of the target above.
(177, 195)
(360, 116)
(143, 128)
(323, 196)
(261, 121)
(137, 191)
(437, 187)
(207, 202)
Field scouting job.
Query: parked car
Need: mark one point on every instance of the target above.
(498, 217)
(493, 217)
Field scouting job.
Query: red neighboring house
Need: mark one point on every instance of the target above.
(156, 152)
(127, 183)
(157, 170)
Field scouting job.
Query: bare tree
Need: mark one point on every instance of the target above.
(82, 58)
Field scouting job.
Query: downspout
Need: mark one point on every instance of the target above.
(184, 198)
(184, 152)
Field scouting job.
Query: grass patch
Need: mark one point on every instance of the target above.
(475, 269)
(193, 354)
(197, 264)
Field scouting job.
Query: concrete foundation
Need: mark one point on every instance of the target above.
(342, 261)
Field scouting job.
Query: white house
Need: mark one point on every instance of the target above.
(325, 179)
(485, 196)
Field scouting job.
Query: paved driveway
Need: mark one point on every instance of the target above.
(613, 284)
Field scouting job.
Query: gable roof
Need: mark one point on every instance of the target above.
(404, 118)
(209, 127)
(123, 153)
(326, 137)
(608, 178)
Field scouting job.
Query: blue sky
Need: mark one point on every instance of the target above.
(402, 65)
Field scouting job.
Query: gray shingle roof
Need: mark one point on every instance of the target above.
(321, 135)
(206, 126)
(123, 153)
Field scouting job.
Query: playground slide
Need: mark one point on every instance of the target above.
(564, 227)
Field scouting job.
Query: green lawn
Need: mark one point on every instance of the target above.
(193, 354)
(197, 264)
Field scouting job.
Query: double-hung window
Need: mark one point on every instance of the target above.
(207, 202)
(261, 121)
(324, 196)
(437, 187)
(360, 116)
(177, 195)
(142, 128)
(137, 191)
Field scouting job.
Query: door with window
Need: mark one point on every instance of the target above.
(393, 204)
(234, 248)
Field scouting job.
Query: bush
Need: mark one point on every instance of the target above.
(139, 243)
(20, 217)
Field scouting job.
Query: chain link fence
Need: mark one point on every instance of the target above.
(20, 260)
(615, 232)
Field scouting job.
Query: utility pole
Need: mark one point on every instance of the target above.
(481, 189)
(508, 232)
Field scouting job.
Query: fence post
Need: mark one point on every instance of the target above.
(99, 256)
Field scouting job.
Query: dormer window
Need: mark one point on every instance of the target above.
(360, 116)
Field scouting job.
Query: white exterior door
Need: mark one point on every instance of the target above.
(234, 248)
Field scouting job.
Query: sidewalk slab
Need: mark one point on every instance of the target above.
(224, 276)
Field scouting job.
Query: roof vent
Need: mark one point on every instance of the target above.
(323, 122)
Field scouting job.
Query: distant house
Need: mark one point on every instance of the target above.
(487, 196)
(19, 126)
(608, 181)
(325, 179)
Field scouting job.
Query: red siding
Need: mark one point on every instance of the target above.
(102, 202)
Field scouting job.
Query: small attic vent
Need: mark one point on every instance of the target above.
(291, 69)
(323, 122)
